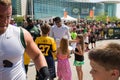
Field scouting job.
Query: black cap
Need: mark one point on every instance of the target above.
(29, 19)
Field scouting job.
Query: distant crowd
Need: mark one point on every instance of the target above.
(47, 42)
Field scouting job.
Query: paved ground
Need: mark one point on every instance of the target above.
(86, 67)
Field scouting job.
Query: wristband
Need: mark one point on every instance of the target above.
(44, 72)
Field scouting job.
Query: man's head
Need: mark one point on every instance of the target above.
(57, 21)
(105, 62)
(29, 21)
(5, 14)
(74, 29)
(5, 2)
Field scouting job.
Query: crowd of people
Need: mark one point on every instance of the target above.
(47, 42)
(64, 35)
(19, 40)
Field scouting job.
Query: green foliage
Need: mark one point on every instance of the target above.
(18, 20)
(119, 19)
(103, 17)
(89, 18)
(112, 19)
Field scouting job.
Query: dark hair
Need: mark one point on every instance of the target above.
(57, 19)
(107, 56)
(45, 28)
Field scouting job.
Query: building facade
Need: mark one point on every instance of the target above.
(110, 9)
(50, 8)
(16, 7)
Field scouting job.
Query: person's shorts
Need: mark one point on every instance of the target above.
(78, 63)
(92, 41)
(86, 43)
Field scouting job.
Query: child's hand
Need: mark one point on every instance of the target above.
(54, 56)
(72, 51)
(69, 56)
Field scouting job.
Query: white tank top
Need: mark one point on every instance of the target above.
(11, 49)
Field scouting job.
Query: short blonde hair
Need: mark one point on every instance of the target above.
(5, 2)
(45, 28)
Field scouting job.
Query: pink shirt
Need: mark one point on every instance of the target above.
(61, 56)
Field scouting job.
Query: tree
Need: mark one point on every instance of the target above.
(18, 20)
(103, 17)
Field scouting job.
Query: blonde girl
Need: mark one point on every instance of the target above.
(63, 65)
(79, 58)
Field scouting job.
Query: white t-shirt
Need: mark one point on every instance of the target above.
(58, 32)
(86, 40)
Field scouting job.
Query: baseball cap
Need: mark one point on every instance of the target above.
(29, 19)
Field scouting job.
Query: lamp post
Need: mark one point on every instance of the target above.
(65, 13)
(32, 9)
(93, 12)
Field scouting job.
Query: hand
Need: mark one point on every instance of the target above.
(44, 73)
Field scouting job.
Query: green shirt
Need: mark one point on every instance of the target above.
(73, 35)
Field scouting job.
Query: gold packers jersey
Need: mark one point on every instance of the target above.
(47, 45)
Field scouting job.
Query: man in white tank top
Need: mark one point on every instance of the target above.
(13, 42)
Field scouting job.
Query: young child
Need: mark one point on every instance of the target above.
(86, 41)
(73, 33)
(48, 47)
(105, 62)
(63, 65)
(92, 38)
(79, 58)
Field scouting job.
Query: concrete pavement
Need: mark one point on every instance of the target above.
(86, 67)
